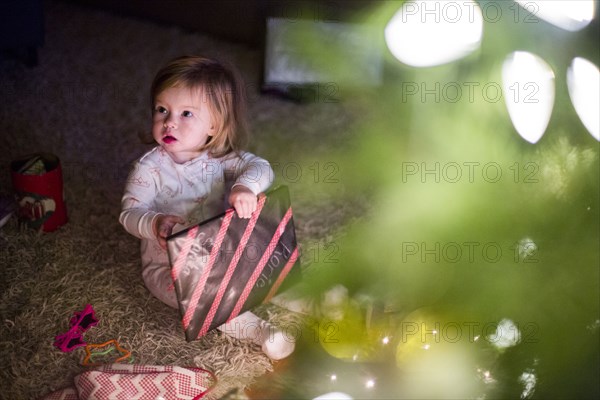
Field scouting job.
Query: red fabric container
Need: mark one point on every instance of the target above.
(38, 183)
(227, 265)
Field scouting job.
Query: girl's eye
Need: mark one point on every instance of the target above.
(186, 114)
(161, 110)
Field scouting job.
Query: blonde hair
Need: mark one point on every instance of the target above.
(221, 89)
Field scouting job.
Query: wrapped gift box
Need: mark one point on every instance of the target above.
(227, 265)
(38, 183)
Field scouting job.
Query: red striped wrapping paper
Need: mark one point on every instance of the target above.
(227, 265)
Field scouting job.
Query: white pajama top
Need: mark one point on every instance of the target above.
(195, 191)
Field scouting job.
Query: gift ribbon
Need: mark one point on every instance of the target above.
(185, 249)
(282, 275)
(189, 312)
(261, 264)
(232, 265)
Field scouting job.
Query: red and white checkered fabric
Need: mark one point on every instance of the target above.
(138, 382)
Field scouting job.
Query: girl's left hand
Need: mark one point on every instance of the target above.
(243, 200)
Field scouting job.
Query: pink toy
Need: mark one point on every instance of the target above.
(80, 322)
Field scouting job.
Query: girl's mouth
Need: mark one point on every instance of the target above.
(169, 139)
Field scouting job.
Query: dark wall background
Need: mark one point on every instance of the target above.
(235, 20)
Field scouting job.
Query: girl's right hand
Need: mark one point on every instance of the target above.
(163, 227)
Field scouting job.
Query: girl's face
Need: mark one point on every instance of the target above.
(181, 122)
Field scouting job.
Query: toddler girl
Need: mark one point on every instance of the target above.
(196, 172)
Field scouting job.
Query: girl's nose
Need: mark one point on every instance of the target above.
(169, 122)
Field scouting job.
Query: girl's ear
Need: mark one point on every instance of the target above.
(213, 127)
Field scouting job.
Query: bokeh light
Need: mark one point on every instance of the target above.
(571, 15)
(528, 380)
(439, 357)
(507, 335)
(583, 79)
(333, 396)
(427, 33)
(528, 84)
